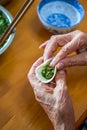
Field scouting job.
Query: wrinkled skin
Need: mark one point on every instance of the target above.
(54, 98)
(75, 41)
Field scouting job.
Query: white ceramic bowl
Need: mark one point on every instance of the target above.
(11, 37)
(60, 16)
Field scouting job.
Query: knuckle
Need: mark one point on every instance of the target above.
(30, 73)
(78, 31)
(52, 37)
(65, 49)
(82, 42)
(84, 36)
(36, 97)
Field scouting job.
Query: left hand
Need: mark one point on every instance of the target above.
(54, 98)
(75, 41)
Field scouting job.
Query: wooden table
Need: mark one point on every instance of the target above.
(18, 108)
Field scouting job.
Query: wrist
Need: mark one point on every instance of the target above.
(59, 127)
(63, 126)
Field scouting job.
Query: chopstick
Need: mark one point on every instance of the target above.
(16, 19)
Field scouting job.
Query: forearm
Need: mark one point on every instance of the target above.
(60, 127)
(64, 127)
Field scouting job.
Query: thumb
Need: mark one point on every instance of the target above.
(61, 75)
(60, 80)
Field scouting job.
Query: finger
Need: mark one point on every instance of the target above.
(54, 43)
(60, 82)
(44, 44)
(34, 66)
(81, 50)
(77, 43)
(80, 59)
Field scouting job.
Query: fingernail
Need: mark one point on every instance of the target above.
(60, 65)
(40, 47)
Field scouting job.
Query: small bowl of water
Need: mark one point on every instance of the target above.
(60, 16)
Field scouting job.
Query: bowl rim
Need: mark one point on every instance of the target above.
(75, 2)
(11, 37)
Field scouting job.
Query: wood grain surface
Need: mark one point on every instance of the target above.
(18, 108)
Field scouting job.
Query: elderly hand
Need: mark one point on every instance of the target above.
(75, 41)
(54, 98)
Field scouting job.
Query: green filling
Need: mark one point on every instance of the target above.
(4, 23)
(48, 71)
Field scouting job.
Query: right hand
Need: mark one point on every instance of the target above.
(54, 98)
(75, 41)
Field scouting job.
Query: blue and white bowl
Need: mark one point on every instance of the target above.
(8, 42)
(60, 16)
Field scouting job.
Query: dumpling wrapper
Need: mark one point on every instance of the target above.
(39, 72)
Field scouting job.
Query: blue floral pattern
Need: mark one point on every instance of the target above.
(58, 20)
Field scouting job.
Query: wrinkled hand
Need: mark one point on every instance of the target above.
(75, 41)
(54, 98)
